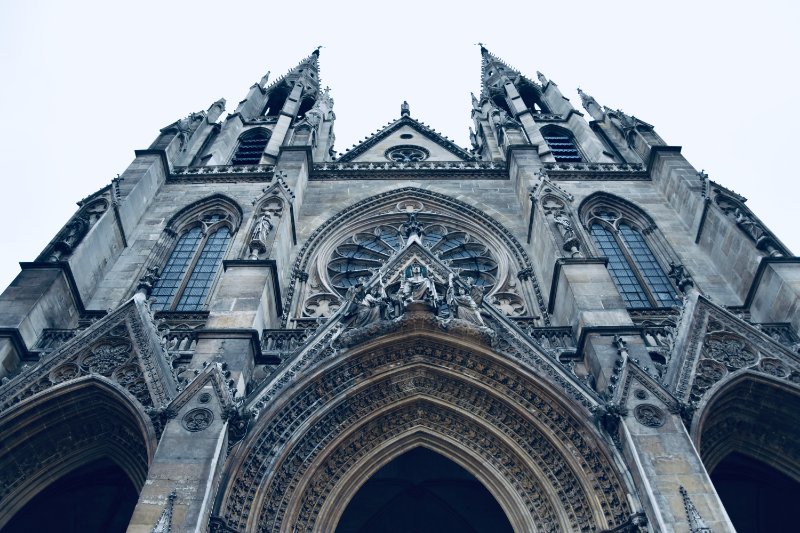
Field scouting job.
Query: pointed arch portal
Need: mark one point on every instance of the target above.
(346, 417)
(423, 491)
(748, 442)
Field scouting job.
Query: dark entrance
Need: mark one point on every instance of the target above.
(423, 492)
(96, 498)
(756, 496)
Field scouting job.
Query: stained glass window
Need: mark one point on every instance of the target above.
(168, 284)
(204, 271)
(655, 278)
(198, 256)
(623, 275)
(638, 275)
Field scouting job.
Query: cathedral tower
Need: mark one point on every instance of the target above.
(564, 327)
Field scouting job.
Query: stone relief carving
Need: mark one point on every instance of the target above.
(118, 347)
(749, 225)
(725, 346)
(197, 419)
(259, 463)
(76, 229)
(649, 415)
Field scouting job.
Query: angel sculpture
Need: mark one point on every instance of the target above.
(465, 306)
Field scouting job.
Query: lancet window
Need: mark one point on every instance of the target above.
(192, 267)
(635, 269)
(562, 145)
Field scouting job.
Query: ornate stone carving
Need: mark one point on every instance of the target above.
(164, 524)
(259, 469)
(464, 301)
(696, 523)
(649, 415)
(320, 235)
(75, 230)
(197, 419)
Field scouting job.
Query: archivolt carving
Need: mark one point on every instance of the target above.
(297, 454)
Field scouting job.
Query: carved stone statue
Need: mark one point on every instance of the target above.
(259, 235)
(419, 287)
(372, 307)
(462, 304)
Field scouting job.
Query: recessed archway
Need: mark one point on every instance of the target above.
(56, 436)
(96, 498)
(314, 447)
(425, 492)
(748, 442)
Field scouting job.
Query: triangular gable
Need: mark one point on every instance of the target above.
(721, 346)
(123, 347)
(406, 132)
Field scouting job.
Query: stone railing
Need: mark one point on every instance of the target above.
(556, 338)
(223, 172)
(281, 342)
(391, 169)
(547, 117)
(596, 171)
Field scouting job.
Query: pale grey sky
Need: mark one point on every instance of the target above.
(87, 83)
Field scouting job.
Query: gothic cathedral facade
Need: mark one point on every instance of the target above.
(564, 327)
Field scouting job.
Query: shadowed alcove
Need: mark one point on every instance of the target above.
(422, 491)
(748, 442)
(96, 498)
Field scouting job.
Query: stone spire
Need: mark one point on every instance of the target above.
(494, 71)
(590, 105)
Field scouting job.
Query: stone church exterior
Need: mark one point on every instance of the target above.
(565, 327)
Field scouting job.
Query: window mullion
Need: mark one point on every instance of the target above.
(188, 272)
(634, 266)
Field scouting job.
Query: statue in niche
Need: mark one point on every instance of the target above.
(259, 235)
(465, 304)
(73, 233)
(418, 287)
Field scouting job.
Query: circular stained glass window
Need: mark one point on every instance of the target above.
(363, 253)
(407, 154)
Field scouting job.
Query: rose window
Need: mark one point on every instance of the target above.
(407, 154)
(359, 256)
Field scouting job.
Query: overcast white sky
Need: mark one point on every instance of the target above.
(84, 83)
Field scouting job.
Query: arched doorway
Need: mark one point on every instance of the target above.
(422, 491)
(82, 447)
(96, 498)
(748, 443)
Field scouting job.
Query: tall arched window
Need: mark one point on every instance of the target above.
(251, 146)
(562, 145)
(637, 273)
(192, 267)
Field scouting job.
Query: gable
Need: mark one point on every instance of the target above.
(406, 133)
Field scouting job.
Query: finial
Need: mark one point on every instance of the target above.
(587, 99)
(483, 48)
(264, 79)
(541, 77)
(405, 110)
(316, 51)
